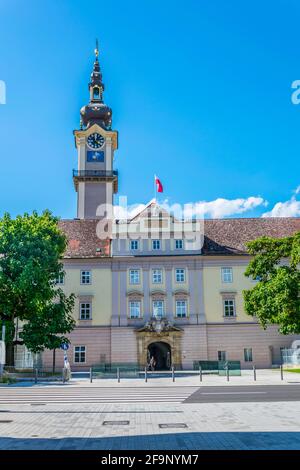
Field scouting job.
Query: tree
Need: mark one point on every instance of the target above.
(46, 329)
(275, 299)
(31, 249)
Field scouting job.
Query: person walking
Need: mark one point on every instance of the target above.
(152, 363)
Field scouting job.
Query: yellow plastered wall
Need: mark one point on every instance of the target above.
(100, 290)
(213, 287)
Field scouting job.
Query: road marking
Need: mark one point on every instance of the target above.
(104, 395)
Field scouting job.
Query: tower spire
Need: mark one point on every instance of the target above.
(97, 49)
(96, 111)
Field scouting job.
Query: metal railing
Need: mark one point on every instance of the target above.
(95, 173)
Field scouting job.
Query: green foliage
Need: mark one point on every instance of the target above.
(275, 299)
(7, 379)
(31, 249)
(46, 329)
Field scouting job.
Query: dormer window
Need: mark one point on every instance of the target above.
(96, 93)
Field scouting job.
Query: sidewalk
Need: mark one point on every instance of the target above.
(221, 426)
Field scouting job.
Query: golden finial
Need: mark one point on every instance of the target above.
(97, 49)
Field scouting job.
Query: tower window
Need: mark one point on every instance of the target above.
(96, 93)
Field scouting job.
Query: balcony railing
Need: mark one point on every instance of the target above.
(94, 174)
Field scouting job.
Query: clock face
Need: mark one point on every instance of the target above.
(95, 141)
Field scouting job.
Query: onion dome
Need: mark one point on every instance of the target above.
(96, 112)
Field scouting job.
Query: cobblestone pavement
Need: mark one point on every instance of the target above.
(208, 426)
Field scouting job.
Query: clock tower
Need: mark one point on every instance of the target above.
(95, 179)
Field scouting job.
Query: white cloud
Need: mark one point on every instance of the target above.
(128, 212)
(297, 190)
(218, 209)
(290, 208)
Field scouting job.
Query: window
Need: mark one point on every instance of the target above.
(96, 92)
(157, 276)
(180, 275)
(134, 276)
(85, 311)
(229, 308)
(61, 279)
(221, 355)
(226, 274)
(158, 308)
(155, 244)
(134, 244)
(86, 277)
(248, 355)
(181, 308)
(135, 309)
(79, 354)
(178, 244)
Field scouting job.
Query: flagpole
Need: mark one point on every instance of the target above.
(155, 187)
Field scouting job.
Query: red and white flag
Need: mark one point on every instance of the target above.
(159, 186)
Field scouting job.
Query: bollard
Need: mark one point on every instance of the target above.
(281, 372)
(173, 373)
(200, 373)
(227, 373)
(118, 374)
(36, 375)
(91, 374)
(146, 376)
(254, 373)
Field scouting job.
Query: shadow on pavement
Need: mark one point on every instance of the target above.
(170, 441)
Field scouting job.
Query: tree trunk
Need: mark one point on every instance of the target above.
(53, 362)
(10, 360)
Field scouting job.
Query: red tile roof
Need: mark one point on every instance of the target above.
(228, 236)
(221, 236)
(83, 239)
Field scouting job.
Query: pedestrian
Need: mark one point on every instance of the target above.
(152, 363)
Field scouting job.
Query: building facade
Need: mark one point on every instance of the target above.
(154, 288)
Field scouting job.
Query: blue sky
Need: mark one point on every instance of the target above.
(200, 92)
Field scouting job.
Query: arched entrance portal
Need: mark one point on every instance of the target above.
(162, 354)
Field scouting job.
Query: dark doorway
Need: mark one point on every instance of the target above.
(161, 352)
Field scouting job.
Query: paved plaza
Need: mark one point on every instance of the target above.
(157, 415)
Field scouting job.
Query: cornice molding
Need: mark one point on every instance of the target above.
(113, 135)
